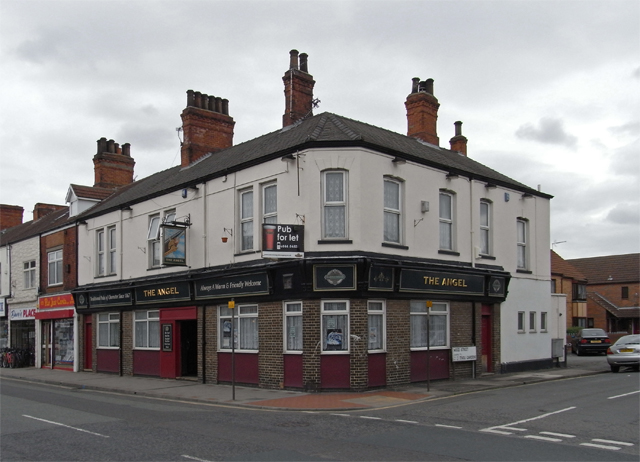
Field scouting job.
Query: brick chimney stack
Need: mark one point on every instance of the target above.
(40, 209)
(422, 112)
(10, 216)
(112, 165)
(298, 89)
(207, 126)
(459, 141)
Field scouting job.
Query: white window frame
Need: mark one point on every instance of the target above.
(29, 271)
(112, 248)
(293, 334)
(146, 341)
(327, 312)
(486, 247)
(393, 211)
(447, 222)
(154, 241)
(330, 205)
(377, 309)
(533, 316)
(269, 216)
(521, 322)
(245, 315)
(418, 313)
(112, 323)
(100, 253)
(522, 238)
(544, 319)
(54, 267)
(247, 234)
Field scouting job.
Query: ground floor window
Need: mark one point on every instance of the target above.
(63, 341)
(436, 317)
(376, 315)
(147, 329)
(245, 331)
(108, 330)
(335, 325)
(293, 326)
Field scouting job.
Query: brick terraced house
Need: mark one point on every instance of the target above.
(329, 254)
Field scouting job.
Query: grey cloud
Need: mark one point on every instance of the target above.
(631, 128)
(625, 214)
(636, 73)
(625, 161)
(549, 131)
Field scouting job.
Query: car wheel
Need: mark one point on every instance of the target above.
(577, 351)
(615, 368)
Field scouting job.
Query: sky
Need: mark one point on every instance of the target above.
(547, 90)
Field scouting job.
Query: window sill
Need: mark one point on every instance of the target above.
(522, 271)
(297, 353)
(341, 352)
(430, 349)
(395, 246)
(237, 351)
(336, 241)
(487, 257)
(107, 348)
(57, 284)
(449, 252)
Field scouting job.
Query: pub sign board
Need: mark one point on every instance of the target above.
(174, 246)
(334, 277)
(167, 292)
(441, 282)
(167, 337)
(104, 298)
(282, 241)
(232, 286)
(381, 278)
(497, 286)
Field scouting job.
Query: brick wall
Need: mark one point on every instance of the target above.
(312, 344)
(398, 342)
(359, 344)
(211, 334)
(126, 342)
(270, 361)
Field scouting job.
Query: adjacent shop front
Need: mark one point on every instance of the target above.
(56, 332)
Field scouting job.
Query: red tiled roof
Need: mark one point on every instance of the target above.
(613, 269)
(91, 192)
(561, 267)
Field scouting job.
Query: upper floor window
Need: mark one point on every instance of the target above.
(147, 329)
(246, 220)
(106, 251)
(100, 248)
(485, 228)
(446, 221)
(579, 291)
(154, 246)
(392, 213)
(624, 292)
(334, 204)
(270, 204)
(376, 313)
(29, 274)
(108, 330)
(522, 243)
(111, 248)
(55, 267)
(335, 325)
(293, 326)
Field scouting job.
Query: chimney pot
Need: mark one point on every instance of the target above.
(225, 107)
(126, 149)
(293, 59)
(415, 85)
(111, 146)
(459, 141)
(190, 98)
(212, 103)
(218, 105)
(458, 128)
(102, 145)
(198, 100)
(303, 62)
(422, 112)
(429, 86)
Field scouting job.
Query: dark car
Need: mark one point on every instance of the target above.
(624, 353)
(590, 341)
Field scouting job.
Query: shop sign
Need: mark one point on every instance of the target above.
(174, 246)
(104, 298)
(55, 301)
(496, 286)
(3, 308)
(463, 354)
(334, 277)
(169, 292)
(237, 286)
(167, 337)
(380, 278)
(282, 241)
(20, 314)
(431, 281)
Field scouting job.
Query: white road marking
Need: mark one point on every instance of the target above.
(369, 417)
(561, 435)
(406, 421)
(543, 438)
(509, 425)
(500, 432)
(63, 425)
(342, 415)
(612, 442)
(600, 446)
(448, 426)
(196, 458)
(626, 394)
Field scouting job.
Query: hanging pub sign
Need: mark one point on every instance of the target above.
(282, 241)
(236, 286)
(432, 281)
(497, 286)
(174, 245)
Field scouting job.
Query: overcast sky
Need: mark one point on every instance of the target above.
(547, 90)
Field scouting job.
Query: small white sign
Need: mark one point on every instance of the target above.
(464, 354)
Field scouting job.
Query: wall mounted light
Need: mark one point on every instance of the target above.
(451, 175)
(398, 160)
(490, 186)
(287, 158)
(507, 197)
(424, 206)
(527, 195)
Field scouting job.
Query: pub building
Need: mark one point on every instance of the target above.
(330, 254)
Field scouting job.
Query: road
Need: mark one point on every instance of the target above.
(590, 418)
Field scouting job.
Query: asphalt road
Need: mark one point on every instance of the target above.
(589, 418)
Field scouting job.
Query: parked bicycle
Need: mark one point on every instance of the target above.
(16, 357)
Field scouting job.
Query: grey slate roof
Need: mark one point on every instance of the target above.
(29, 229)
(322, 130)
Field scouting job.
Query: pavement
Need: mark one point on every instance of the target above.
(253, 397)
